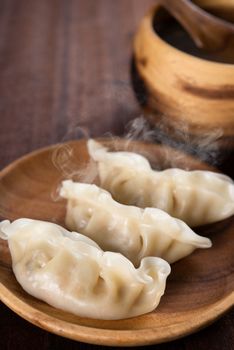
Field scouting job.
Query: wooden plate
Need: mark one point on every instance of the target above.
(199, 289)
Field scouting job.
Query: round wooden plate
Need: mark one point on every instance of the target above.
(199, 289)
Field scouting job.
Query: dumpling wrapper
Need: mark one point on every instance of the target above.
(197, 197)
(131, 231)
(70, 272)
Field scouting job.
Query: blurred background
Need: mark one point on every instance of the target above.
(65, 64)
(65, 72)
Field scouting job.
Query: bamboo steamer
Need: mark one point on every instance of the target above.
(184, 91)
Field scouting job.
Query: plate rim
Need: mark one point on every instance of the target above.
(113, 337)
(104, 336)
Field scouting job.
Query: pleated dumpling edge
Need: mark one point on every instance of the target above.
(70, 272)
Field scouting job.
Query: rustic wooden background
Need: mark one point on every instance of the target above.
(64, 71)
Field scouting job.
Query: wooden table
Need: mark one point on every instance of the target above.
(64, 69)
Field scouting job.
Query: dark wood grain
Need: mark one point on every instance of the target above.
(64, 65)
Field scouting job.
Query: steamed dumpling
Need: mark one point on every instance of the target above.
(70, 272)
(196, 197)
(132, 231)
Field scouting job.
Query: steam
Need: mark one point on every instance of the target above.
(177, 135)
(68, 163)
(139, 129)
(205, 146)
(63, 160)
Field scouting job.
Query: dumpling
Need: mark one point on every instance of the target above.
(132, 231)
(196, 197)
(70, 272)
